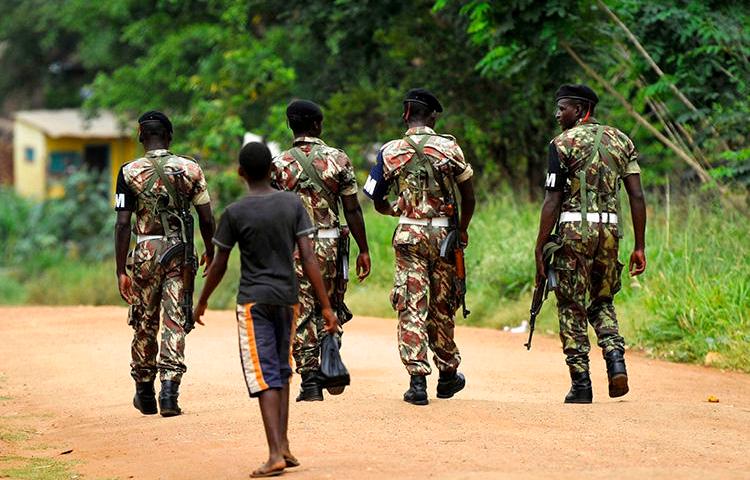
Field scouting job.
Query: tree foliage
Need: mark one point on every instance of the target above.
(223, 67)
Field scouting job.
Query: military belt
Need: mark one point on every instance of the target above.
(145, 238)
(425, 222)
(327, 233)
(590, 217)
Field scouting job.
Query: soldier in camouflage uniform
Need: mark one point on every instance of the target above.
(587, 163)
(323, 177)
(424, 168)
(153, 286)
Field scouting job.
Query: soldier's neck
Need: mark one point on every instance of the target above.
(419, 124)
(297, 136)
(155, 145)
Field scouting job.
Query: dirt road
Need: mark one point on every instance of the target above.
(65, 374)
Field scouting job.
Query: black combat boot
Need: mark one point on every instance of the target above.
(145, 398)
(417, 393)
(310, 389)
(616, 373)
(168, 398)
(580, 389)
(450, 383)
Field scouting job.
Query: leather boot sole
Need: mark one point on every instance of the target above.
(426, 401)
(457, 387)
(309, 399)
(618, 385)
(145, 409)
(578, 400)
(170, 413)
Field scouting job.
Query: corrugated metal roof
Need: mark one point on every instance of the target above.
(70, 122)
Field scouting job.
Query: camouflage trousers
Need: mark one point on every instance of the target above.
(424, 297)
(156, 290)
(306, 348)
(589, 267)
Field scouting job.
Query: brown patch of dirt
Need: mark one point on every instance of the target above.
(67, 373)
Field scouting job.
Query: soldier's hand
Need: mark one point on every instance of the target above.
(206, 260)
(331, 324)
(463, 237)
(198, 312)
(125, 284)
(637, 262)
(541, 275)
(363, 265)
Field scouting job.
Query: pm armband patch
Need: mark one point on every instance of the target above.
(554, 181)
(119, 200)
(551, 178)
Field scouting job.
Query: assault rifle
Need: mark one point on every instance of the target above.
(186, 249)
(342, 277)
(543, 288)
(452, 246)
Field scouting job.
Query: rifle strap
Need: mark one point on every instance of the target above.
(583, 183)
(313, 174)
(434, 175)
(175, 198)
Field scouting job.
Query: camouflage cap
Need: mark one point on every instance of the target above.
(155, 116)
(420, 95)
(577, 92)
(304, 110)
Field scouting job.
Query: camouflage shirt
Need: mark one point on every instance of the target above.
(186, 176)
(417, 198)
(334, 169)
(569, 152)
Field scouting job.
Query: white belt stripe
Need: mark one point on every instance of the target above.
(435, 222)
(590, 217)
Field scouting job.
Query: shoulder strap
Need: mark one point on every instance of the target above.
(158, 165)
(312, 173)
(434, 175)
(583, 183)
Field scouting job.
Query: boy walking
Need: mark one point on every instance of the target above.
(267, 225)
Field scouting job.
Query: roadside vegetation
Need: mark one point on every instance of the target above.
(674, 75)
(692, 305)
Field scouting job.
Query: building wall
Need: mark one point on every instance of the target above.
(44, 177)
(123, 150)
(29, 173)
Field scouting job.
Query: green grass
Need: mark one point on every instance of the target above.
(693, 299)
(37, 468)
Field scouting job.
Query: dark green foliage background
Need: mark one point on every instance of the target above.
(220, 68)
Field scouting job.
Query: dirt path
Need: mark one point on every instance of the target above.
(66, 373)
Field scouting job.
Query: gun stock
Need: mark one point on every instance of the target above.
(342, 277)
(189, 268)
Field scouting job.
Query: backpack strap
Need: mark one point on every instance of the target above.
(174, 197)
(434, 176)
(313, 174)
(584, 183)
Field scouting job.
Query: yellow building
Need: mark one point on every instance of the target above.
(50, 144)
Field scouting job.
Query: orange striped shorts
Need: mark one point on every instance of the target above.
(265, 336)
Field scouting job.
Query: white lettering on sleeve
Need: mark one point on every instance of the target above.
(120, 200)
(551, 177)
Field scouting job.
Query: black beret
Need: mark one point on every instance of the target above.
(304, 110)
(420, 95)
(577, 92)
(154, 116)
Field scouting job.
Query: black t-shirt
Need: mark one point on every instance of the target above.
(266, 228)
(556, 173)
(125, 197)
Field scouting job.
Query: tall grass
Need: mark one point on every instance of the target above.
(693, 300)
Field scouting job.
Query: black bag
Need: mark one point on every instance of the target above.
(332, 369)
